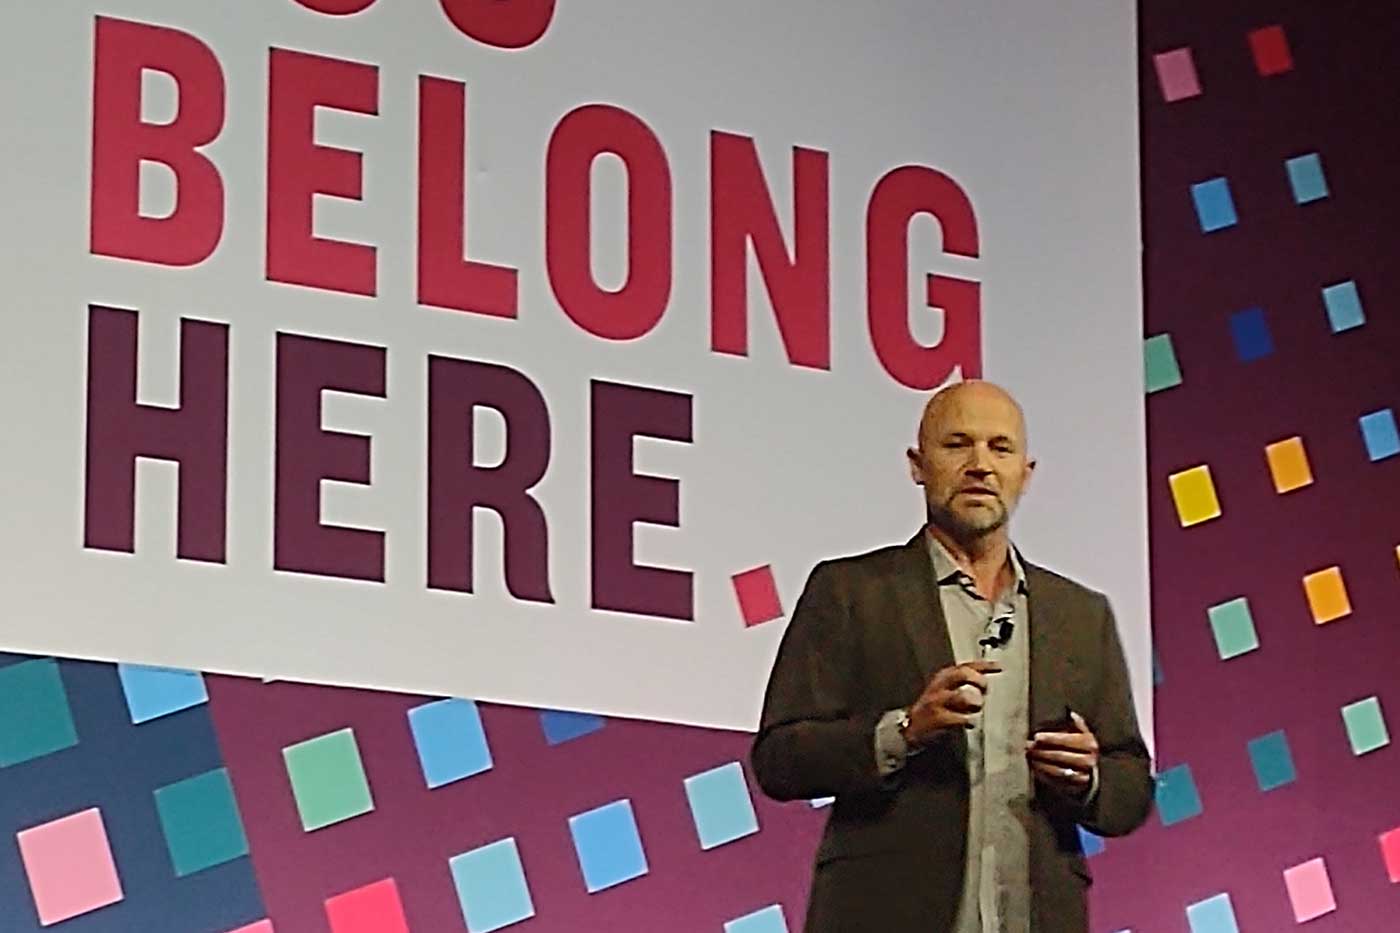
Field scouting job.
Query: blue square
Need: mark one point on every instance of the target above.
(1177, 798)
(767, 920)
(1343, 306)
(1305, 175)
(35, 718)
(153, 692)
(1212, 915)
(1158, 675)
(721, 805)
(491, 886)
(560, 726)
(1251, 332)
(1272, 761)
(1091, 844)
(1215, 208)
(608, 845)
(451, 742)
(1382, 440)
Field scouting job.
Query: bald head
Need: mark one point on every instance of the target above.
(971, 458)
(960, 400)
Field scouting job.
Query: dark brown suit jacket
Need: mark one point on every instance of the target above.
(866, 636)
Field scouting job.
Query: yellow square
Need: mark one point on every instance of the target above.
(1288, 462)
(1194, 493)
(1327, 595)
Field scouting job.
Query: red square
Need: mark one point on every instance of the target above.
(1390, 852)
(758, 595)
(374, 908)
(262, 926)
(1270, 48)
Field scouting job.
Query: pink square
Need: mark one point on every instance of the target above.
(1390, 853)
(1270, 48)
(1310, 890)
(374, 908)
(262, 926)
(1176, 73)
(758, 595)
(70, 867)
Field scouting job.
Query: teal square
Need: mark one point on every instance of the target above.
(768, 920)
(1212, 915)
(491, 887)
(1177, 798)
(35, 719)
(1272, 760)
(1159, 361)
(200, 819)
(1344, 309)
(1305, 175)
(1365, 725)
(328, 779)
(1234, 628)
(721, 805)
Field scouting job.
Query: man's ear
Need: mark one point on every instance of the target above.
(1030, 472)
(916, 466)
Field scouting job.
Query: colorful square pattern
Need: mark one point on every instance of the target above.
(608, 846)
(69, 865)
(757, 593)
(1176, 75)
(201, 822)
(1326, 590)
(1233, 627)
(1177, 798)
(1215, 205)
(35, 719)
(721, 805)
(491, 887)
(1193, 491)
(373, 908)
(1365, 724)
(1288, 465)
(153, 692)
(450, 740)
(328, 779)
(1309, 890)
(767, 920)
(1272, 760)
(1160, 365)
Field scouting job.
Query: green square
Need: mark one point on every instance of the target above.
(199, 817)
(1365, 725)
(1234, 628)
(328, 779)
(1159, 359)
(34, 716)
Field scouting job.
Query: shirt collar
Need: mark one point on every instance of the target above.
(947, 570)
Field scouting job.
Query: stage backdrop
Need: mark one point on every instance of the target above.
(535, 352)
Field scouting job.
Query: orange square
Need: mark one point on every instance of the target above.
(1327, 595)
(1288, 462)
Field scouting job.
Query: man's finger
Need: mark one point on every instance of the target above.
(1079, 722)
(965, 699)
(1058, 775)
(1062, 759)
(1074, 741)
(984, 667)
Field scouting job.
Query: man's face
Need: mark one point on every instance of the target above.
(971, 460)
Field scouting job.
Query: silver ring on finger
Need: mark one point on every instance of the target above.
(1067, 772)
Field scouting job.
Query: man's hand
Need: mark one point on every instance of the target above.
(951, 700)
(1065, 760)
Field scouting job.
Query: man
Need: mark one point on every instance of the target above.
(965, 708)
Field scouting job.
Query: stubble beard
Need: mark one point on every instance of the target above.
(964, 531)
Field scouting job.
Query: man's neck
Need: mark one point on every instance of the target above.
(986, 559)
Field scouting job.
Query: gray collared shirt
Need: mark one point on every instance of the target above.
(996, 894)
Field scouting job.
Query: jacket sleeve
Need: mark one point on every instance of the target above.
(811, 743)
(1125, 795)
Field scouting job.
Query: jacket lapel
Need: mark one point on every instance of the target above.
(1050, 651)
(921, 610)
